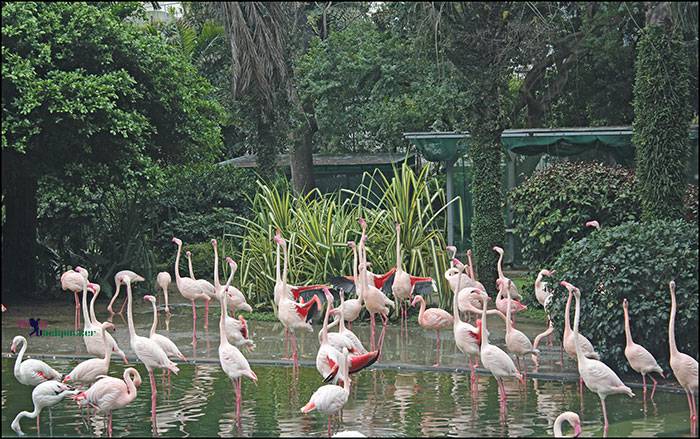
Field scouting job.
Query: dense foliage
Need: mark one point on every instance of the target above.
(552, 206)
(634, 261)
(318, 227)
(90, 98)
(662, 111)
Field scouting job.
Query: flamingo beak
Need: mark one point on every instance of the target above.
(577, 430)
(13, 349)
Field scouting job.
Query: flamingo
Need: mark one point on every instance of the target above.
(684, 367)
(236, 299)
(639, 358)
(189, 288)
(31, 372)
(467, 337)
(44, 395)
(542, 291)
(164, 342)
(517, 342)
(331, 398)
(434, 319)
(540, 336)
(513, 289)
(205, 286)
(88, 371)
(593, 223)
(503, 303)
(493, 358)
(232, 360)
(568, 341)
(108, 394)
(236, 329)
(3, 307)
(599, 378)
(72, 281)
(163, 279)
(347, 333)
(350, 309)
(328, 354)
(404, 283)
(147, 350)
(94, 343)
(118, 282)
(573, 420)
(375, 300)
(376, 279)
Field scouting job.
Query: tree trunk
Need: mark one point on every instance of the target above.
(19, 187)
(266, 155)
(301, 158)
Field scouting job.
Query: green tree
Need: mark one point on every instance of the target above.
(662, 114)
(90, 97)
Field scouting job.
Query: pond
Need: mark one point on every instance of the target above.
(401, 395)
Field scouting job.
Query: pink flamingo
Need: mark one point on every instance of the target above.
(96, 344)
(232, 360)
(88, 371)
(568, 341)
(542, 291)
(109, 394)
(434, 319)
(118, 282)
(404, 283)
(44, 395)
(205, 286)
(573, 420)
(639, 358)
(164, 342)
(684, 367)
(331, 398)
(31, 372)
(493, 357)
(377, 280)
(163, 281)
(236, 329)
(599, 378)
(350, 309)
(147, 350)
(517, 342)
(594, 224)
(513, 289)
(375, 300)
(189, 288)
(357, 346)
(540, 336)
(73, 281)
(504, 303)
(467, 337)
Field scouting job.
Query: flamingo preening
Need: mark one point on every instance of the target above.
(189, 288)
(685, 367)
(44, 395)
(236, 329)
(88, 371)
(639, 358)
(31, 372)
(597, 376)
(573, 420)
(108, 394)
(330, 398)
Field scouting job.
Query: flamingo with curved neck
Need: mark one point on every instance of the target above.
(117, 281)
(88, 371)
(205, 287)
(685, 367)
(573, 420)
(516, 341)
(499, 266)
(434, 319)
(31, 372)
(639, 358)
(189, 288)
(44, 395)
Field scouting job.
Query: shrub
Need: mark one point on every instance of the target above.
(552, 206)
(634, 261)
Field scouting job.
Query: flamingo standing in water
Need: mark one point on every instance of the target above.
(94, 343)
(639, 358)
(232, 360)
(516, 341)
(31, 372)
(73, 281)
(375, 300)
(513, 289)
(118, 282)
(350, 309)
(505, 302)
(236, 329)
(684, 367)
(205, 286)
(147, 350)
(88, 371)
(467, 337)
(330, 399)
(493, 357)
(109, 394)
(404, 283)
(599, 378)
(44, 395)
(570, 346)
(189, 288)
(434, 319)
(164, 342)
(163, 281)
(543, 293)
(573, 420)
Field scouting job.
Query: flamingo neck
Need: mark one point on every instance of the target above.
(628, 332)
(278, 276)
(341, 327)
(344, 372)
(422, 308)
(672, 326)
(217, 282)
(324, 331)
(484, 332)
(398, 249)
(471, 266)
(18, 361)
(155, 319)
(93, 316)
(567, 320)
(538, 281)
(557, 427)
(499, 266)
(284, 268)
(177, 266)
(189, 265)
(354, 273)
(223, 341)
(86, 314)
(129, 317)
(581, 358)
(130, 386)
(509, 303)
(228, 283)
(108, 351)
(455, 308)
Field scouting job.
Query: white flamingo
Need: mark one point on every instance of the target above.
(118, 282)
(467, 337)
(88, 371)
(351, 308)
(164, 342)
(573, 420)
(189, 288)
(44, 395)
(684, 367)
(599, 378)
(639, 358)
(92, 330)
(513, 289)
(31, 372)
(542, 290)
(72, 281)
(205, 286)
(164, 281)
(516, 341)
(236, 329)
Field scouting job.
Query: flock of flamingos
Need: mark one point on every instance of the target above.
(341, 354)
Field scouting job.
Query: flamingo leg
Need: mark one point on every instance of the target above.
(437, 350)
(580, 387)
(77, 311)
(605, 415)
(194, 324)
(109, 425)
(286, 344)
(121, 310)
(371, 329)
(385, 319)
(295, 355)
(153, 395)
(653, 389)
(525, 370)
(644, 383)
(329, 426)
(472, 368)
(206, 314)
(38, 432)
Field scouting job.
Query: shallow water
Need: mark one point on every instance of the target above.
(402, 395)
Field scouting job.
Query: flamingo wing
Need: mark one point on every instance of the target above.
(347, 283)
